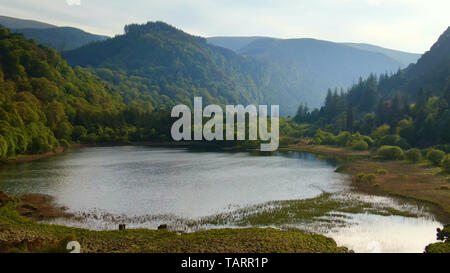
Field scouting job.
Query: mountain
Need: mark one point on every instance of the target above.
(237, 43)
(233, 43)
(45, 103)
(166, 66)
(410, 108)
(320, 64)
(59, 38)
(16, 23)
(431, 73)
(404, 58)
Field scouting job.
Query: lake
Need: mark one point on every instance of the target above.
(148, 186)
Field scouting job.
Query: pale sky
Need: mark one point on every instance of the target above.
(407, 25)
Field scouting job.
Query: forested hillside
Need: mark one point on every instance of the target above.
(160, 64)
(410, 108)
(61, 38)
(44, 103)
(320, 64)
(430, 74)
(16, 23)
(58, 38)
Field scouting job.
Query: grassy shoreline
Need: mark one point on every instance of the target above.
(419, 182)
(22, 234)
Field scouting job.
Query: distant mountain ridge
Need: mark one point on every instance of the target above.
(162, 65)
(405, 58)
(265, 70)
(59, 38)
(233, 43)
(238, 43)
(16, 23)
(320, 64)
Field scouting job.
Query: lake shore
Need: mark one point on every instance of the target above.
(417, 182)
(19, 232)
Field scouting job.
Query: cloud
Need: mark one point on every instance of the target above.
(73, 2)
(409, 25)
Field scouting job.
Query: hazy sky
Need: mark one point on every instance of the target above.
(408, 25)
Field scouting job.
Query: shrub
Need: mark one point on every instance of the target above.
(343, 138)
(370, 177)
(381, 131)
(322, 137)
(393, 140)
(390, 152)
(435, 156)
(446, 164)
(381, 171)
(413, 155)
(360, 145)
(390, 140)
(362, 177)
(368, 140)
(425, 151)
(329, 140)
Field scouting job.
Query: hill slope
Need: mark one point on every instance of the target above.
(431, 72)
(321, 64)
(45, 103)
(237, 43)
(61, 38)
(167, 66)
(58, 38)
(318, 64)
(404, 58)
(16, 23)
(410, 108)
(233, 43)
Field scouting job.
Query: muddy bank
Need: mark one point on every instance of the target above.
(36, 206)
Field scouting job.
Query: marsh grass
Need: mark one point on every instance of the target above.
(326, 208)
(20, 234)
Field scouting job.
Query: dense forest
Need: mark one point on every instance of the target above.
(409, 108)
(163, 65)
(160, 66)
(45, 103)
(128, 83)
(318, 64)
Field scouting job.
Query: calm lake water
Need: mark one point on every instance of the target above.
(147, 186)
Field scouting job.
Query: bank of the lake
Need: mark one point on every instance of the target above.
(420, 181)
(22, 234)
